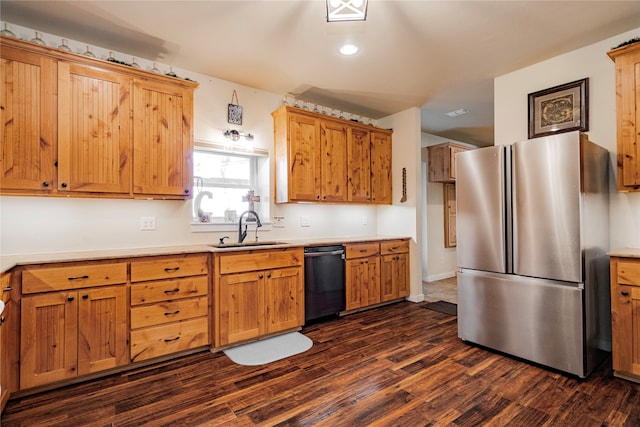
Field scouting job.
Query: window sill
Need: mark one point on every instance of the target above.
(212, 227)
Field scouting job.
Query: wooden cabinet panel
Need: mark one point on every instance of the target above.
(28, 116)
(450, 239)
(162, 139)
(259, 260)
(152, 292)
(304, 154)
(359, 165)
(362, 277)
(241, 307)
(169, 267)
(102, 329)
(442, 164)
(72, 276)
(381, 188)
(625, 317)
(168, 311)
(49, 338)
(283, 299)
(394, 273)
(333, 162)
(627, 60)
(93, 130)
(161, 340)
(361, 250)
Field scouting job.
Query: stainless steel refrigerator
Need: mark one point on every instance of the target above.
(532, 229)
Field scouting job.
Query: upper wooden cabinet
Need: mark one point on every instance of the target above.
(78, 125)
(442, 161)
(627, 59)
(325, 159)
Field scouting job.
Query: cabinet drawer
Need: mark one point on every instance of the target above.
(361, 250)
(629, 272)
(394, 247)
(260, 260)
(169, 267)
(72, 277)
(166, 339)
(168, 312)
(150, 292)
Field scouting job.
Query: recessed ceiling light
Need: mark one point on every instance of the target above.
(348, 49)
(457, 112)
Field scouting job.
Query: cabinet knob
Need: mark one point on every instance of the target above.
(85, 296)
(269, 276)
(187, 191)
(63, 185)
(625, 293)
(70, 298)
(45, 184)
(261, 276)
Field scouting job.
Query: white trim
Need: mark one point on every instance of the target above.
(440, 276)
(416, 298)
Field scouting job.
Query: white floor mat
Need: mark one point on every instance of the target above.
(269, 350)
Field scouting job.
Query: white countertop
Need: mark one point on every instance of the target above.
(625, 253)
(10, 261)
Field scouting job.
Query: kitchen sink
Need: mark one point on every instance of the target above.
(245, 245)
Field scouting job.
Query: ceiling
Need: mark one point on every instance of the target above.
(439, 56)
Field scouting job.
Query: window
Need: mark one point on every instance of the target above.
(222, 180)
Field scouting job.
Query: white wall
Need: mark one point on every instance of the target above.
(510, 97)
(52, 224)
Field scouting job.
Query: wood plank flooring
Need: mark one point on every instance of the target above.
(400, 365)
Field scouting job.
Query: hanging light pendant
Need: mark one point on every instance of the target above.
(346, 10)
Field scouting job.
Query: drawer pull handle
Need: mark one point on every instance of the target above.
(77, 277)
(625, 293)
(8, 289)
(85, 296)
(171, 339)
(171, 313)
(171, 269)
(363, 250)
(171, 291)
(70, 298)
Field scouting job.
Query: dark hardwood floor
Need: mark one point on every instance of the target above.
(400, 365)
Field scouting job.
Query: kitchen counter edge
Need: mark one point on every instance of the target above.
(9, 261)
(625, 253)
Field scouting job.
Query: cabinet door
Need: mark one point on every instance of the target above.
(625, 314)
(283, 299)
(93, 130)
(394, 277)
(449, 190)
(28, 117)
(49, 337)
(304, 158)
(162, 139)
(362, 278)
(333, 161)
(102, 329)
(241, 307)
(380, 168)
(359, 166)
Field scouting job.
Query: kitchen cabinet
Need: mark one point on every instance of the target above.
(625, 317)
(258, 293)
(362, 274)
(326, 159)
(394, 270)
(7, 341)
(442, 161)
(79, 126)
(162, 138)
(169, 305)
(627, 64)
(450, 240)
(73, 321)
(28, 149)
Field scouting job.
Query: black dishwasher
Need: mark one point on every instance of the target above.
(324, 287)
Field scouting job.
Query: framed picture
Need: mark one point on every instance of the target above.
(235, 114)
(559, 109)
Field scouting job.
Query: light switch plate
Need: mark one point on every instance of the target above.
(304, 221)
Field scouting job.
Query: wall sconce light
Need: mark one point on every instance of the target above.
(234, 135)
(346, 10)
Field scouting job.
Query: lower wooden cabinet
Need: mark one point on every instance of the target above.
(169, 305)
(70, 333)
(625, 317)
(362, 274)
(394, 270)
(253, 301)
(7, 341)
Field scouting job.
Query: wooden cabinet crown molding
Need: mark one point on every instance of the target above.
(627, 64)
(86, 128)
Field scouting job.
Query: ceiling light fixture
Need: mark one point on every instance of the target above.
(346, 10)
(349, 49)
(457, 112)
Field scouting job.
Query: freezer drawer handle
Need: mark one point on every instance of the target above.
(625, 293)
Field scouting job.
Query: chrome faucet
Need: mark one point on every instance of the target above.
(243, 234)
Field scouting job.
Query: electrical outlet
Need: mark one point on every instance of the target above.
(304, 221)
(147, 223)
(364, 220)
(278, 221)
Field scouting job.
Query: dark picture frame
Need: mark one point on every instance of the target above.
(559, 109)
(234, 114)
